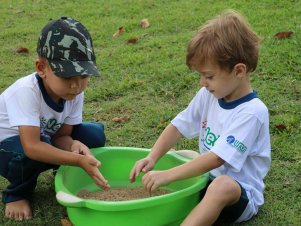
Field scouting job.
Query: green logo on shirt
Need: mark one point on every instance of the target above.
(51, 126)
(210, 137)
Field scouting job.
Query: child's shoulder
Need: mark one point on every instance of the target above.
(28, 81)
(256, 108)
(257, 105)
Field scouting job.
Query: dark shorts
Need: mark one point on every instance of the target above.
(231, 213)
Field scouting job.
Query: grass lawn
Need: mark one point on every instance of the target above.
(149, 83)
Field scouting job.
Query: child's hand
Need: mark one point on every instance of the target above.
(143, 165)
(155, 179)
(79, 148)
(90, 164)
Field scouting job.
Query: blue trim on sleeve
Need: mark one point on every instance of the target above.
(235, 103)
(58, 107)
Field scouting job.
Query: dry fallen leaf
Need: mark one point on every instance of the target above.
(144, 23)
(119, 31)
(281, 127)
(66, 222)
(121, 119)
(132, 41)
(283, 34)
(22, 50)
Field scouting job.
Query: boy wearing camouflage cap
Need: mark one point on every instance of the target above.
(41, 116)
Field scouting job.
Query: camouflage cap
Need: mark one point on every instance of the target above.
(68, 47)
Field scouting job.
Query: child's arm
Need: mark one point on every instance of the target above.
(202, 164)
(169, 137)
(44, 152)
(62, 139)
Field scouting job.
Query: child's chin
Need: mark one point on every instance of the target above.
(69, 97)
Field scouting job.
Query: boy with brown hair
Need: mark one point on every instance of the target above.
(41, 116)
(232, 124)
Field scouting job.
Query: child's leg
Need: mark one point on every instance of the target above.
(222, 192)
(90, 133)
(22, 173)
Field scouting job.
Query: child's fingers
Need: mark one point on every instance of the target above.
(150, 181)
(149, 185)
(136, 171)
(86, 152)
(133, 175)
(94, 161)
(146, 168)
(154, 187)
(101, 181)
(145, 178)
(147, 181)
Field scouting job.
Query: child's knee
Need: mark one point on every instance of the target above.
(224, 185)
(90, 133)
(98, 134)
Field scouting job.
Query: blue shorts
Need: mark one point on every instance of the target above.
(231, 213)
(22, 172)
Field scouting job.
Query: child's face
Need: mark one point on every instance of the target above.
(62, 88)
(222, 83)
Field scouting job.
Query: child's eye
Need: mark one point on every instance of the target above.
(208, 76)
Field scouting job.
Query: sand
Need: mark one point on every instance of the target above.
(121, 194)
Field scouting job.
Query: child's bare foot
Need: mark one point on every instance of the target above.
(18, 210)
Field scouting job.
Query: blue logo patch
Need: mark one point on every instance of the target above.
(230, 139)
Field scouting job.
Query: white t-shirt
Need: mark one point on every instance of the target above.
(26, 103)
(237, 131)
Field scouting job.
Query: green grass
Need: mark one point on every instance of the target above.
(150, 82)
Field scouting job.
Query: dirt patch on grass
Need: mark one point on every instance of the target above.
(121, 194)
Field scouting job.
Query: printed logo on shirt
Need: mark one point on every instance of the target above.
(210, 139)
(239, 146)
(50, 126)
(204, 124)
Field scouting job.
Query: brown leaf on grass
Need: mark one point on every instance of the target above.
(283, 34)
(144, 23)
(121, 119)
(66, 222)
(281, 127)
(119, 31)
(132, 41)
(22, 50)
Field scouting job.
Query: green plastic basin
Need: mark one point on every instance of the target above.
(117, 162)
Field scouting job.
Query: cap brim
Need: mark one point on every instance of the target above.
(67, 69)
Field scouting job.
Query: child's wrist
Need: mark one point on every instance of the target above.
(152, 156)
(169, 176)
(79, 159)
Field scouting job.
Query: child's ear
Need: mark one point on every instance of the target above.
(41, 67)
(240, 69)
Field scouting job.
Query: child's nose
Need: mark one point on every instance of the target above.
(75, 83)
(203, 82)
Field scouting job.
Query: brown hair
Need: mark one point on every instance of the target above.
(226, 40)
